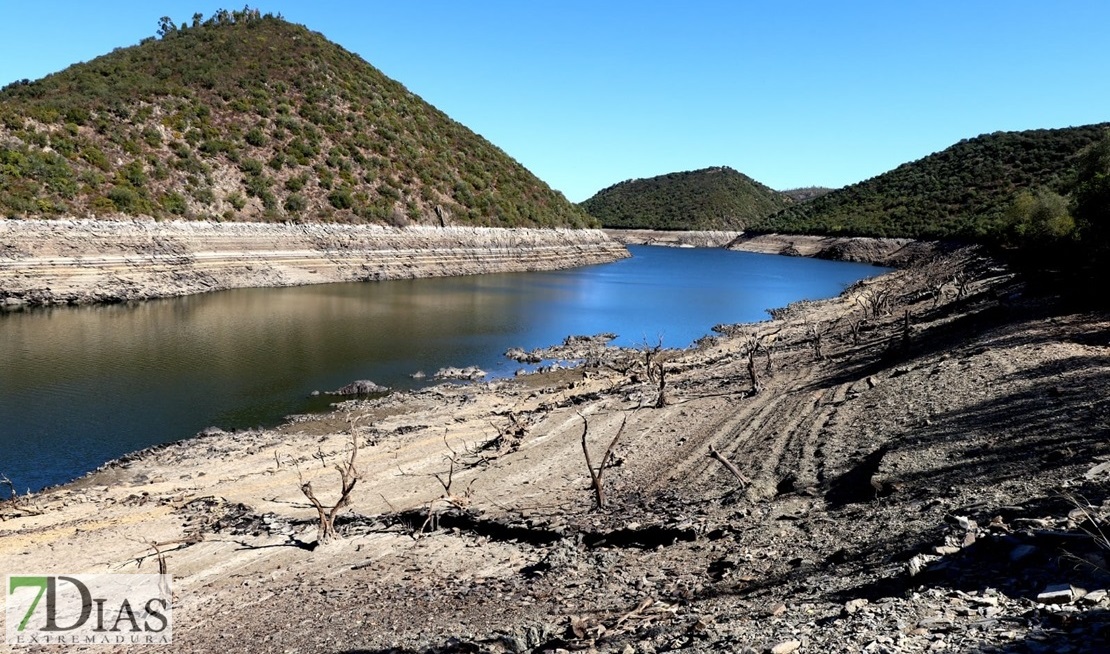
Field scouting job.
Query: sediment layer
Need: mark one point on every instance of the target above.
(698, 238)
(87, 261)
(894, 252)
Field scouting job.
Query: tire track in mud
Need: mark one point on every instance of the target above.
(690, 463)
(778, 435)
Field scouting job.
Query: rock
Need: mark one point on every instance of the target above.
(1095, 596)
(360, 387)
(419, 374)
(853, 606)
(965, 523)
(786, 647)
(1056, 594)
(470, 372)
(1100, 470)
(520, 356)
(920, 563)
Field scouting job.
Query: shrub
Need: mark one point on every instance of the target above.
(341, 198)
(295, 203)
(124, 199)
(256, 138)
(174, 203)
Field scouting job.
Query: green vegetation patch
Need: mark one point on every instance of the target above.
(712, 199)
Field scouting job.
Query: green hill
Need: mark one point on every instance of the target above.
(714, 198)
(249, 117)
(964, 191)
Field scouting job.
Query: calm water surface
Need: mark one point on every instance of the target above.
(79, 386)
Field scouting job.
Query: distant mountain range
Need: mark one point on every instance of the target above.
(247, 116)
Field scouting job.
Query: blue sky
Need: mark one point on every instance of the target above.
(590, 93)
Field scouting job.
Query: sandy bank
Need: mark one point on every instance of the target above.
(81, 261)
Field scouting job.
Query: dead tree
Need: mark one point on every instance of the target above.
(661, 380)
(348, 477)
(597, 473)
(510, 437)
(650, 352)
(14, 499)
(962, 280)
(875, 301)
(753, 346)
(816, 336)
(855, 326)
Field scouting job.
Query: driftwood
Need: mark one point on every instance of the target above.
(714, 454)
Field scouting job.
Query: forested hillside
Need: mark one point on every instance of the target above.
(247, 116)
(713, 198)
(964, 191)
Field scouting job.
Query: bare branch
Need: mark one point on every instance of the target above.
(714, 454)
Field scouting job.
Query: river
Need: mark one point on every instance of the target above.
(82, 385)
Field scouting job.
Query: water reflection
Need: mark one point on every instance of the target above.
(81, 385)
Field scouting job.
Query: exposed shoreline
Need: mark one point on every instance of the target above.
(51, 262)
(886, 496)
(891, 252)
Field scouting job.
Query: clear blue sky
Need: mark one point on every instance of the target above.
(589, 93)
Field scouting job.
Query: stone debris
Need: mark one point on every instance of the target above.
(471, 373)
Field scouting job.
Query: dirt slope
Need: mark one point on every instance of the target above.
(909, 492)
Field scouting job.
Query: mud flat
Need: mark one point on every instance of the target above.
(83, 261)
(926, 484)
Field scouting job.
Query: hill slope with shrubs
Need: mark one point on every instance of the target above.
(246, 116)
(710, 199)
(965, 191)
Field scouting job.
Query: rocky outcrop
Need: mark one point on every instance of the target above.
(85, 261)
(698, 239)
(359, 387)
(894, 252)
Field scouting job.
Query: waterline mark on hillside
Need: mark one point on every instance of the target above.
(88, 609)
